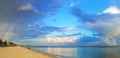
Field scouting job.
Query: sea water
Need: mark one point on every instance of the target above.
(81, 52)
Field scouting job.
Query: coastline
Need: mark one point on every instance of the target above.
(52, 55)
(22, 52)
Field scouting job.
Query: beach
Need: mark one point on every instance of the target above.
(21, 52)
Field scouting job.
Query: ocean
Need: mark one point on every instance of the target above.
(80, 52)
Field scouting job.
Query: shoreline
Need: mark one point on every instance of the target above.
(56, 56)
(22, 52)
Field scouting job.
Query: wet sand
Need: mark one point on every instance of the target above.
(20, 52)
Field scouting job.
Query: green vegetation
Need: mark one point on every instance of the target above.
(1, 41)
(5, 43)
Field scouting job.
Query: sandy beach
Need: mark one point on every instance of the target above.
(20, 52)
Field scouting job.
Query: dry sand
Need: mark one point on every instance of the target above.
(20, 52)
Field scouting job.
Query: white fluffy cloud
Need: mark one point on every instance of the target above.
(25, 7)
(112, 10)
(61, 40)
(110, 28)
(49, 41)
(30, 8)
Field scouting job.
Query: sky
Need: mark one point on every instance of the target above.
(60, 22)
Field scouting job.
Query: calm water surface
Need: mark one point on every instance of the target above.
(81, 52)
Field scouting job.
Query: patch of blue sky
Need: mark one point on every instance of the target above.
(93, 6)
(62, 19)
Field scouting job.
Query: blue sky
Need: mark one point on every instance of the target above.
(94, 5)
(61, 22)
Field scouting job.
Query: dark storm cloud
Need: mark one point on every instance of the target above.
(101, 23)
(75, 34)
(88, 39)
(19, 14)
(25, 11)
(36, 31)
(105, 24)
(82, 16)
(92, 18)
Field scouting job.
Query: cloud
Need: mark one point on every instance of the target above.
(108, 27)
(75, 34)
(82, 16)
(36, 31)
(27, 7)
(64, 30)
(30, 8)
(69, 29)
(89, 41)
(21, 17)
(49, 41)
(112, 10)
(22, 10)
(65, 41)
(62, 40)
(106, 24)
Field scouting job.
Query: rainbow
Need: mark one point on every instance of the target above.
(5, 36)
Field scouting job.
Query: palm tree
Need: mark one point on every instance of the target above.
(5, 43)
(1, 41)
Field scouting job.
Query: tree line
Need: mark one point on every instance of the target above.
(6, 43)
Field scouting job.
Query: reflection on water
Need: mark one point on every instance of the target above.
(82, 52)
(63, 51)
